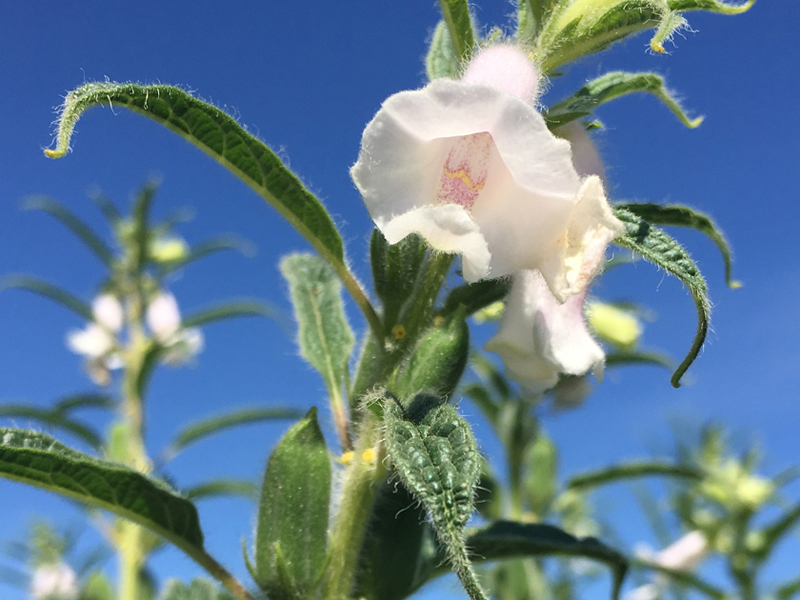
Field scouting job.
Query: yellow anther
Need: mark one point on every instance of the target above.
(347, 458)
(369, 455)
(399, 332)
(438, 320)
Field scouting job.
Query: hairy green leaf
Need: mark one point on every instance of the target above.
(325, 338)
(53, 418)
(711, 6)
(55, 293)
(233, 310)
(222, 487)
(220, 136)
(435, 455)
(459, 24)
(292, 526)
(611, 86)
(531, 15)
(199, 589)
(39, 460)
(204, 428)
(93, 241)
(633, 470)
(683, 216)
(441, 60)
(660, 249)
(395, 271)
(475, 296)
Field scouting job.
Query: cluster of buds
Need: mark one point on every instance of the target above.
(471, 166)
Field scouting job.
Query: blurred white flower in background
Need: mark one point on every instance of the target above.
(472, 167)
(54, 582)
(163, 318)
(98, 340)
(685, 554)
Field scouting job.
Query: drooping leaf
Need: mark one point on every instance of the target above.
(220, 136)
(620, 359)
(435, 455)
(233, 310)
(39, 460)
(93, 241)
(611, 86)
(475, 296)
(198, 589)
(395, 270)
(215, 488)
(442, 60)
(325, 338)
(633, 470)
(459, 24)
(47, 290)
(660, 249)
(204, 428)
(684, 216)
(292, 526)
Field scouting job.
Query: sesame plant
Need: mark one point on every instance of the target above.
(487, 204)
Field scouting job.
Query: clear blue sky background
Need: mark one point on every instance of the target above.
(306, 77)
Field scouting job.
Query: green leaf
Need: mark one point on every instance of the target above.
(475, 296)
(530, 18)
(199, 589)
(141, 223)
(435, 455)
(395, 270)
(292, 527)
(97, 587)
(437, 362)
(683, 216)
(107, 207)
(233, 310)
(207, 427)
(576, 28)
(614, 85)
(542, 481)
(210, 247)
(53, 418)
(325, 338)
(78, 401)
(507, 539)
(663, 251)
(633, 470)
(711, 6)
(39, 460)
(220, 136)
(55, 293)
(74, 224)
(393, 558)
(774, 532)
(459, 24)
(222, 487)
(684, 578)
(788, 590)
(621, 359)
(441, 60)
(488, 494)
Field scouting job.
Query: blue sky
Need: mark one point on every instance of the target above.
(306, 77)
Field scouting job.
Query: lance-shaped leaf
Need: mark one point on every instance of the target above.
(107, 207)
(633, 470)
(459, 24)
(207, 427)
(441, 60)
(244, 488)
(324, 337)
(39, 460)
(659, 248)
(611, 86)
(79, 401)
(508, 539)
(576, 28)
(53, 418)
(93, 241)
(395, 270)
(684, 216)
(531, 15)
(711, 6)
(774, 532)
(141, 223)
(199, 589)
(208, 248)
(788, 590)
(220, 136)
(292, 527)
(47, 290)
(621, 359)
(435, 455)
(233, 310)
(475, 296)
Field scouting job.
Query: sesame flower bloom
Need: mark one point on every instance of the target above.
(54, 582)
(98, 340)
(164, 320)
(472, 167)
(685, 554)
(585, 157)
(540, 339)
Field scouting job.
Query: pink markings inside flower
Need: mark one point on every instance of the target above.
(465, 170)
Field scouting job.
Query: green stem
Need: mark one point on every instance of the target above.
(361, 484)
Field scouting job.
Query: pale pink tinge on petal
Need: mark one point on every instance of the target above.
(585, 157)
(505, 68)
(163, 317)
(107, 311)
(465, 170)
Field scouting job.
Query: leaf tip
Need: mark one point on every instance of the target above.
(735, 284)
(694, 123)
(56, 153)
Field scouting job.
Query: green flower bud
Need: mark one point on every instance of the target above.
(169, 250)
(613, 324)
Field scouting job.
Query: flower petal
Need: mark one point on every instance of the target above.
(163, 317)
(107, 311)
(93, 341)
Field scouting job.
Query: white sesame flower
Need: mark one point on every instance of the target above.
(108, 312)
(585, 157)
(685, 553)
(472, 167)
(93, 341)
(54, 582)
(540, 339)
(184, 346)
(163, 317)
(97, 341)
